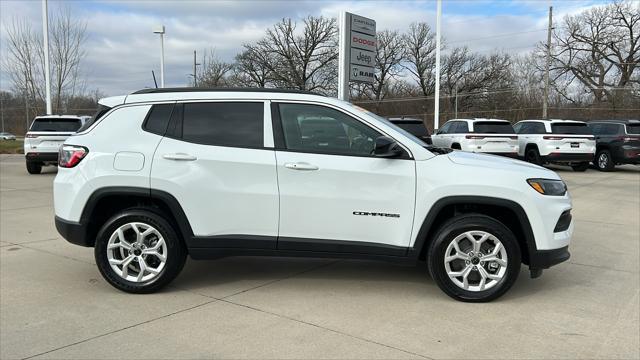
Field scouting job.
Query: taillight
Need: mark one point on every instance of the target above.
(31, 136)
(70, 155)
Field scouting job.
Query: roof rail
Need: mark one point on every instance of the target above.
(221, 89)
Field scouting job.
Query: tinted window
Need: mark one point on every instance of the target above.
(445, 129)
(459, 127)
(158, 118)
(537, 128)
(56, 124)
(98, 114)
(320, 129)
(518, 127)
(571, 129)
(493, 127)
(239, 124)
(633, 129)
(414, 128)
(608, 129)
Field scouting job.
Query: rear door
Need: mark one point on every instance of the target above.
(47, 134)
(217, 162)
(334, 194)
(494, 136)
(571, 138)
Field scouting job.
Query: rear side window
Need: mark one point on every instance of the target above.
(571, 129)
(56, 124)
(633, 129)
(493, 127)
(158, 119)
(236, 124)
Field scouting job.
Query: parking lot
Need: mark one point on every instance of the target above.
(55, 304)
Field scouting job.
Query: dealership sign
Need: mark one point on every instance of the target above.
(362, 48)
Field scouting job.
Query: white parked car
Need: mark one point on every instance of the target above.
(566, 142)
(491, 136)
(7, 136)
(46, 134)
(167, 173)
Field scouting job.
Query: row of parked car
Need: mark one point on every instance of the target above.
(605, 143)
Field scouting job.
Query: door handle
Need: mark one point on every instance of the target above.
(179, 157)
(300, 166)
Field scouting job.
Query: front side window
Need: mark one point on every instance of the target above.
(235, 124)
(460, 127)
(319, 129)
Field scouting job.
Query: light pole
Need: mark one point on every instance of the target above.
(45, 34)
(160, 30)
(436, 110)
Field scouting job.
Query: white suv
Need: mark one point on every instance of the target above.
(44, 137)
(491, 136)
(566, 142)
(170, 172)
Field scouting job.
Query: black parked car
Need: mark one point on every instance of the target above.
(617, 142)
(413, 126)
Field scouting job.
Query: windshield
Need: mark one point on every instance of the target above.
(387, 122)
(571, 129)
(633, 129)
(56, 124)
(493, 127)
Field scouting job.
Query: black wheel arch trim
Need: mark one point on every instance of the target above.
(426, 229)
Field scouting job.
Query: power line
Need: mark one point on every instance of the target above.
(497, 36)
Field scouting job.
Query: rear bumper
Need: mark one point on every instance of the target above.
(73, 232)
(42, 156)
(567, 157)
(544, 259)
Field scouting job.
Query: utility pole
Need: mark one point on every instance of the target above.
(436, 110)
(45, 33)
(2, 112)
(195, 73)
(545, 99)
(161, 31)
(456, 107)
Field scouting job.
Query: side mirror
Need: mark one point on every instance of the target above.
(386, 147)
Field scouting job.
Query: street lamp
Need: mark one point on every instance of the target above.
(160, 30)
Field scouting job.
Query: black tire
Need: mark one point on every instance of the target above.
(34, 167)
(457, 226)
(532, 155)
(580, 167)
(175, 257)
(603, 160)
(456, 147)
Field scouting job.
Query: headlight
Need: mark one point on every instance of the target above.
(548, 186)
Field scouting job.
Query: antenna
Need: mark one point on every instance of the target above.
(154, 78)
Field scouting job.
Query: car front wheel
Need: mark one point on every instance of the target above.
(138, 251)
(603, 161)
(474, 258)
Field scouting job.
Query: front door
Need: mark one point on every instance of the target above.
(334, 194)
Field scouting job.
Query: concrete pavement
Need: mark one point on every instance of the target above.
(55, 304)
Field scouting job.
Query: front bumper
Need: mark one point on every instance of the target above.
(50, 157)
(73, 232)
(544, 259)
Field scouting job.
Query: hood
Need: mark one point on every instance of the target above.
(499, 163)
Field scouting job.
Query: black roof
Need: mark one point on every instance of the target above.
(222, 89)
(619, 121)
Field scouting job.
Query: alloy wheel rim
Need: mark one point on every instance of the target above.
(603, 160)
(137, 252)
(475, 261)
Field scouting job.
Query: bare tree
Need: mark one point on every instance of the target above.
(600, 48)
(213, 72)
(389, 56)
(25, 62)
(250, 71)
(299, 60)
(420, 47)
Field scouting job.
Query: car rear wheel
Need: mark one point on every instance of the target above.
(533, 156)
(474, 258)
(603, 161)
(34, 167)
(138, 251)
(583, 166)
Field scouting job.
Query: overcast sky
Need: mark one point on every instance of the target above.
(122, 49)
